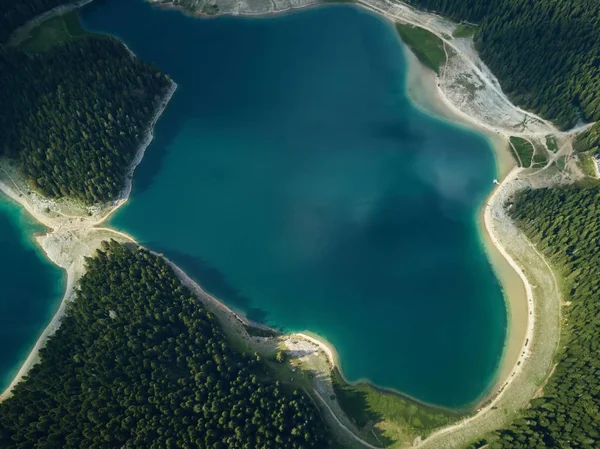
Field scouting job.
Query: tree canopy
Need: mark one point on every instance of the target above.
(139, 363)
(73, 117)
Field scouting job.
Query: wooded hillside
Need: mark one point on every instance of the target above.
(73, 117)
(138, 363)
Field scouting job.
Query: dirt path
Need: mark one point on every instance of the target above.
(341, 425)
(516, 154)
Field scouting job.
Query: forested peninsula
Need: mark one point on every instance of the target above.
(138, 363)
(73, 115)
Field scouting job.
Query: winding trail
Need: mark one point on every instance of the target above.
(341, 425)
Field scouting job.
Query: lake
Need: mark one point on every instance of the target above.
(292, 177)
(32, 288)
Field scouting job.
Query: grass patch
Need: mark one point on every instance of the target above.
(539, 161)
(428, 48)
(524, 149)
(514, 155)
(396, 419)
(552, 143)
(587, 164)
(53, 32)
(464, 30)
(540, 158)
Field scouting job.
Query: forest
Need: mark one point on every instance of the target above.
(564, 224)
(73, 117)
(588, 141)
(139, 363)
(545, 53)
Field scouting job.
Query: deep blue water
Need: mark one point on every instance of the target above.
(31, 288)
(293, 178)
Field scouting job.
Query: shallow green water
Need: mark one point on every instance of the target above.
(292, 177)
(31, 288)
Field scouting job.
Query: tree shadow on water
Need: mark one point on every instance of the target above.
(213, 281)
(165, 131)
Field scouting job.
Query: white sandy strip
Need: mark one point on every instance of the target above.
(33, 356)
(325, 347)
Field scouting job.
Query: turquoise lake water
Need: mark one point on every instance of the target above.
(293, 178)
(31, 288)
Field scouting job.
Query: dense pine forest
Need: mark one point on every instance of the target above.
(15, 13)
(589, 140)
(138, 363)
(565, 225)
(545, 53)
(73, 117)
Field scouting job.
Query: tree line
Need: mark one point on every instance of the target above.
(545, 53)
(588, 141)
(139, 363)
(73, 117)
(564, 223)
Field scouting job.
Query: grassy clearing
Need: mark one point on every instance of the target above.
(53, 32)
(552, 143)
(515, 155)
(540, 158)
(464, 30)
(587, 164)
(393, 418)
(425, 45)
(539, 161)
(524, 149)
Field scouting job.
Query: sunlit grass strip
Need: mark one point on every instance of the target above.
(425, 45)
